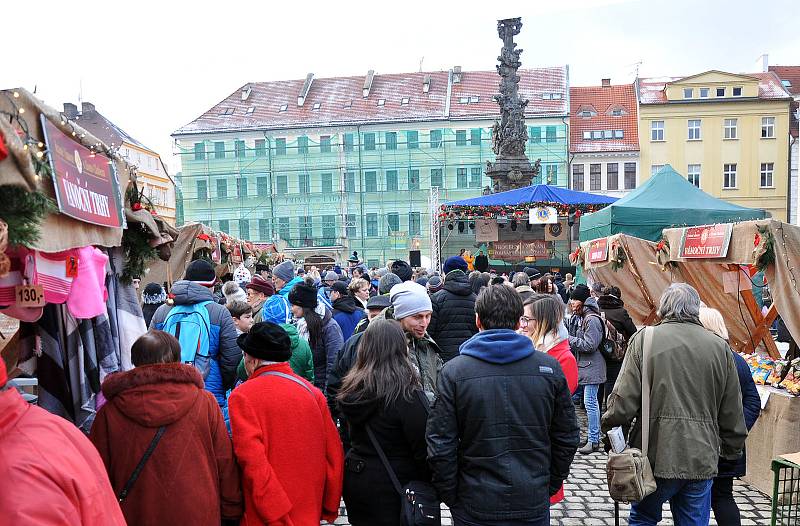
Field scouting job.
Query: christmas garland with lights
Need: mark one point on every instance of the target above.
(459, 212)
(24, 212)
(763, 248)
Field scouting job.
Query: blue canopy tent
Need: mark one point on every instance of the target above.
(514, 204)
(537, 194)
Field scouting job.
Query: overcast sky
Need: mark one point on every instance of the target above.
(153, 66)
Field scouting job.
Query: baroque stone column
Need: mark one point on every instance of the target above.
(512, 168)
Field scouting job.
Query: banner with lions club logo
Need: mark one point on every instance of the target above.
(542, 215)
(85, 182)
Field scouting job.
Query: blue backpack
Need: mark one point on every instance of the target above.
(191, 325)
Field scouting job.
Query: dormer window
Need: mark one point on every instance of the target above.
(688, 93)
(381, 102)
(404, 101)
(737, 91)
(463, 100)
(227, 111)
(618, 134)
(316, 106)
(474, 99)
(617, 112)
(283, 108)
(348, 104)
(587, 135)
(251, 109)
(585, 114)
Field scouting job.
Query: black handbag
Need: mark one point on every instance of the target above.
(419, 504)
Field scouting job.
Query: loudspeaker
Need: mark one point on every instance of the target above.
(415, 258)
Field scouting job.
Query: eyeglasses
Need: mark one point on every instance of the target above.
(524, 321)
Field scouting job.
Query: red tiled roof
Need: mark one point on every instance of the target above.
(533, 84)
(341, 102)
(792, 74)
(603, 99)
(651, 90)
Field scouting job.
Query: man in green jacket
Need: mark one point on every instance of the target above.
(695, 409)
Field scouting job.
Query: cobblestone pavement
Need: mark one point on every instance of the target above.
(586, 500)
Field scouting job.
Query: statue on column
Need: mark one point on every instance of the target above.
(512, 168)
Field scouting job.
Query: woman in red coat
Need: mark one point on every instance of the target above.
(50, 475)
(542, 322)
(284, 438)
(191, 476)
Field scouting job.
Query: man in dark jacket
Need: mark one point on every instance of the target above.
(345, 310)
(613, 308)
(497, 459)
(195, 288)
(453, 318)
(481, 262)
(586, 333)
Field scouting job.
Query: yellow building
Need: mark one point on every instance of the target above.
(154, 182)
(727, 133)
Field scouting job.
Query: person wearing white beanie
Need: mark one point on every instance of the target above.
(233, 292)
(411, 306)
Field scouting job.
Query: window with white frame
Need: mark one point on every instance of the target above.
(767, 127)
(729, 175)
(656, 130)
(655, 168)
(730, 128)
(767, 170)
(688, 93)
(703, 93)
(737, 91)
(693, 174)
(720, 92)
(694, 129)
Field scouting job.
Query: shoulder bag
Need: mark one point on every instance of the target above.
(630, 476)
(138, 470)
(419, 503)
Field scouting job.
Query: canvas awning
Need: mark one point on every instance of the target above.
(666, 200)
(537, 193)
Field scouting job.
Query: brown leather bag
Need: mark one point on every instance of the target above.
(630, 477)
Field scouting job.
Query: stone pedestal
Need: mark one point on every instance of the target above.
(508, 173)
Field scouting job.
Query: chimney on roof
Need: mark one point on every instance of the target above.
(426, 84)
(301, 97)
(70, 110)
(246, 92)
(87, 107)
(605, 82)
(763, 62)
(368, 83)
(456, 74)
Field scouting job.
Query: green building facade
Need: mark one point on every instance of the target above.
(332, 188)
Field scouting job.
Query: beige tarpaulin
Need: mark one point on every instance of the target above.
(642, 278)
(186, 244)
(58, 232)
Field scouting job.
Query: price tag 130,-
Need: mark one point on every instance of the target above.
(29, 296)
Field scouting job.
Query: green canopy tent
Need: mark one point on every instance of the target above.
(666, 200)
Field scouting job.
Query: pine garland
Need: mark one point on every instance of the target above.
(24, 212)
(137, 252)
(764, 244)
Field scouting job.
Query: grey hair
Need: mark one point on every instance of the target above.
(680, 302)
(520, 279)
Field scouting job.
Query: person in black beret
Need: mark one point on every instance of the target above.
(266, 342)
(318, 327)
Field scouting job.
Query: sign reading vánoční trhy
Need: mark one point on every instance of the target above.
(710, 241)
(85, 182)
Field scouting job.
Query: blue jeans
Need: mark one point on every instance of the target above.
(592, 411)
(689, 500)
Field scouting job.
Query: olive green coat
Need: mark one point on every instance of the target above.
(695, 402)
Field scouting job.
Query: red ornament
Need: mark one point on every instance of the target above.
(757, 240)
(203, 237)
(578, 213)
(3, 148)
(136, 207)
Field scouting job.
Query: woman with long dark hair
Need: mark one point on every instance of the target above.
(319, 329)
(382, 391)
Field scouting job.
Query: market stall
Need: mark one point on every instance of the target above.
(666, 200)
(527, 225)
(198, 241)
(718, 261)
(74, 233)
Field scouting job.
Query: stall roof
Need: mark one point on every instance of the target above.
(666, 200)
(538, 193)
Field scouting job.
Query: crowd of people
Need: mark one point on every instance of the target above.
(268, 398)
